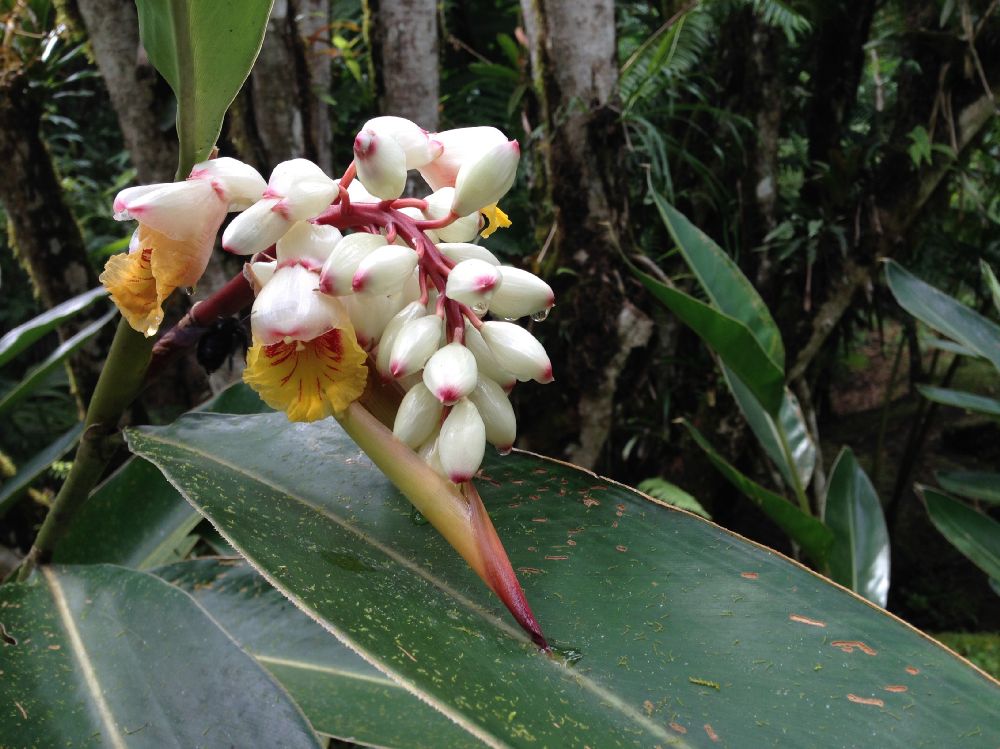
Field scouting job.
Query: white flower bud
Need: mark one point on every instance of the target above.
(256, 229)
(240, 183)
(410, 312)
(428, 453)
(451, 373)
(181, 210)
(369, 314)
(304, 191)
(463, 229)
(288, 308)
(473, 282)
(417, 146)
(459, 251)
(414, 344)
(485, 180)
(130, 195)
(518, 351)
(457, 147)
(310, 244)
(462, 442)
(358, 194)
(259, 273)
(381, 164)
(485, 361)
(521, 293)
(418, 416)
(338, 271)
(385, 270)
(497, 413)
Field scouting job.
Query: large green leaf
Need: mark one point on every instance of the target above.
(808, 532)
(961, 399)
(981, 485)
(859, 557)
(340, 693)
(943, 313)
(18, 339)
(722, 280)
(972, 533)
(669, 630)
(105, 656)
(204, 49)
(731, 339)
(136, 518)
(37, 375)
(36, 466)
(786, 440)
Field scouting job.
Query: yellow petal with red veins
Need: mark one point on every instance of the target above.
(497, 220)
(129, 279)
(308, 380)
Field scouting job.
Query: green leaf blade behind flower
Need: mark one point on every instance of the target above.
(981, 485)
(663, 623)
(974, 534)
(18, 339)
(961, 399)
(204, 49)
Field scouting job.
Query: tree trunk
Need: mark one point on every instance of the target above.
(280, 114)
(45, 237)
(575, 72)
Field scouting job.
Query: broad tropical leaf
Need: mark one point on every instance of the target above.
(204, 49)
(941, 312)
(859, 557)
(105, 656)
(961, 399)
(786, 440)
(18, 339)
(972, 533)
(980, 485)
(808, 532)
(36, 466)
(669, 630)
(340, 693)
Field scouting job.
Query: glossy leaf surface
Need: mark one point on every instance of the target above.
(340, 693)
(943, 313)
(204, 49)
(731, 339)
(859, 557)
(961, 399)
(37, 375)
(981, 485)
(670, 630)
(36, 466)
(136, 518)
(786, 440)
(18, 339)
(814, 537)
(972, 533)
(105, 656)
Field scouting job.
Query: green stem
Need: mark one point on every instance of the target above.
(117, 387)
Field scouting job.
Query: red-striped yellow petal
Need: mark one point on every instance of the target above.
(308, 380)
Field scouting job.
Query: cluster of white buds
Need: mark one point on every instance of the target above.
(350, 272)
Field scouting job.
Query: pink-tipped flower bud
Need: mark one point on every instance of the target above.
(369, 314)
(451, 373)
(458, 146)
(411, 311)
(462, 442)
(417, 146)
(473, 282)
(181, 210)
(521, 293)
(482, 182)
(381, 164)
(463, 229)
(517, 351)
(497, 413)
(414, 344)
(485, 361)
(337, 276)
(308, 244)
(459, 251)
(418, 416)
(239, 183)
(302, 189)
(288, 308)
(256, 229)
(385, 270)
(259, 273)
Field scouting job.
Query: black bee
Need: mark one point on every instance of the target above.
(221, 342)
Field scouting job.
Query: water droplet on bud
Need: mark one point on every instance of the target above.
(480, 309)
(188, 290)
(509, 319)
(504, 450)
(540, 316)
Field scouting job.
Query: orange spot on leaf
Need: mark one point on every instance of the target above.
(710, 732)
(678, 727)
(848, 646)
(554, 558)
(590, 502)
(749, 575)
(912, 670)
(539, 520)
(622, 548)
(806, 620)
(866, 700)
(895, 688)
